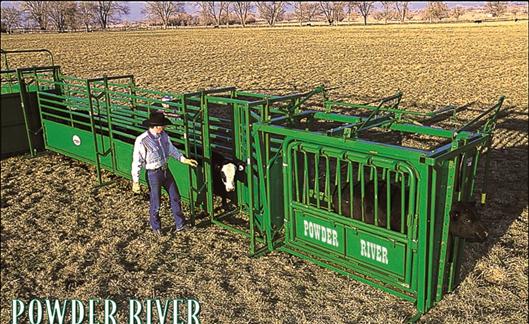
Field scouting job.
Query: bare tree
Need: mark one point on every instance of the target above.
(388, 10)
(457, 12)
(11, 18)
(242, 10)
(333, 11)
(496, 8)
(436, 10)
(402, 9)
(162, 10)
(60, 13)
(37, 11)
(364, 7)
(181, 19)
(271, 11)
(86, 13)
(107, 12)
(305, 11)
(214, 11)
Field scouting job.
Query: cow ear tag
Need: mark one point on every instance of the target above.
(241, 168)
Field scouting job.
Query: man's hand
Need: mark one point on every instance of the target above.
(136, 187)
(190, 162)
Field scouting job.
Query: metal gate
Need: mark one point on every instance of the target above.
(367, 207)
(321, 179)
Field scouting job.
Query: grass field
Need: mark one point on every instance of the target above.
(61, 240)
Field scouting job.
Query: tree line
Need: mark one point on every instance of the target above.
(89, 15)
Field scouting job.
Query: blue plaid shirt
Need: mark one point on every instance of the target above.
(152, 151)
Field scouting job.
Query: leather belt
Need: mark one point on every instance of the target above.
(164, 167)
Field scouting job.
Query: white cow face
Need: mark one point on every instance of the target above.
(166, 99)
(228, 176)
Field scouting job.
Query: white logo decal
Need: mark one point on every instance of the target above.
(76, 140)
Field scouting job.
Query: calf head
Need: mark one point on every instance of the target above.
(466, 223)
(166, 99)
(228, 174)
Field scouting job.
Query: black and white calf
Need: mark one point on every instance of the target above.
(225, 176)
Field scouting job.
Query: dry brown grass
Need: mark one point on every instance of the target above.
(61, 240)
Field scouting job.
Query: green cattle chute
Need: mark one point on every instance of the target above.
(297, 164)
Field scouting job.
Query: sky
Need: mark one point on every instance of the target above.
(137, 6)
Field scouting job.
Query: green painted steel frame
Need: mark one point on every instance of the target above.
(434, 273)
(266, 146)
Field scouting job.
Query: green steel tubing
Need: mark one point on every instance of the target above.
(109, 123)
(187, 151)
(24, 105)
(249, 175)
(207, 155)
(5, 52)
(495, 108)
(446, 219)
(261, 137)
(92, 126)
(432, 242)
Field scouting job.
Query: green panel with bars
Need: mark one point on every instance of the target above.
(348, 186)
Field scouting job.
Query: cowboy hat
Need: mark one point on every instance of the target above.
(156, 118)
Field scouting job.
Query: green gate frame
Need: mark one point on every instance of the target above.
(429, 272)
(96, 120)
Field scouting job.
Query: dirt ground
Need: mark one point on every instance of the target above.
(62, 239)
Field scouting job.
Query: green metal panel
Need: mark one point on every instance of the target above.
(73, 142)
(380, 252)
(289, 207)
(318, 231)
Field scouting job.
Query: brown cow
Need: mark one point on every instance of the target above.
(465, 221)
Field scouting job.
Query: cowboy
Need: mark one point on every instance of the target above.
(152, 149)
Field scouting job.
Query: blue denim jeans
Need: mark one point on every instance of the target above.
(156, 179)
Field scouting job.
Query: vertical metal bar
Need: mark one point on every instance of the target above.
(403, 213)
(388, 198)
(375, 184)
(462, 177)
(410, 224)
(327, 182)
(132, 92)
(263, 190)
(109, 125)
(289, 150)
(432, 242)
(351, 187)
(317, 177)
(457, 251)
(446, 222)
(208, 177)
(249, 169)
(191, 188)
(24, 104)
(44, 134)
(296, 175)
(92, 127)
(486, 172)
(338, 184)
(305, 178)
(474, 172)
(419, 199)
(362, 190)
(451, 271)
(237, 144)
